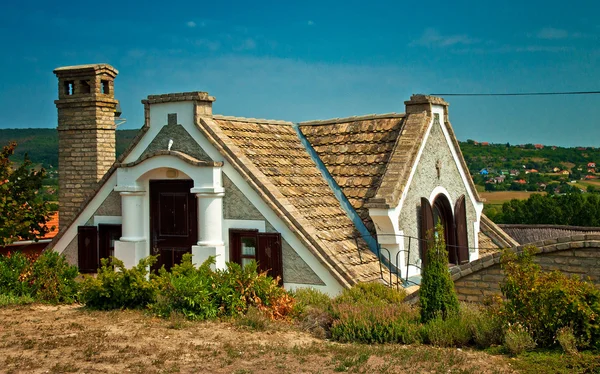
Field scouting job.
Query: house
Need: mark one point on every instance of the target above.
(521, 181)
(531, 171)
(591, 165)
(323, 204)
(484, 172)
(485, 144)
(514, 173)
(539, 146)
(499, 179)
(556, 170)
(32, 246)
(565, 172)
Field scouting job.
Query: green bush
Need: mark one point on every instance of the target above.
(370, 293)
(15, 271)
(117, 287)
(187, 290)
(375, 323)
(53, 279)
(544, 302)
(518, 340)
(437, 296)
(567, 340)
(485, 324)
(453, 331)
(313, 310)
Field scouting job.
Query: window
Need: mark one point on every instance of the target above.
(95, 243)
(69, 88)
(84, 87)
(264, 248)
(105, 87)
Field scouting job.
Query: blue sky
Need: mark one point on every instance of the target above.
(319, 59)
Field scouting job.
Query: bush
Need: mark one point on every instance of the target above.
(375, 323)
(544, 302)
(187, 290)
(485, 324)
(117, 287)
(15, 272)
(453, 331)
(53, 279)
(313, 310)
(437, 296)
(370, 293)
(567, 340)
(254, 319)
(518, 340)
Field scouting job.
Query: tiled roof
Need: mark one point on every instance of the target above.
(270, 156)
(52, 222)
(526, 234)
(356, 152)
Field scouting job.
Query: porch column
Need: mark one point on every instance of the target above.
(210, 225)
(131, 247)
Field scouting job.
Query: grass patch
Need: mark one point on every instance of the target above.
(6, 300)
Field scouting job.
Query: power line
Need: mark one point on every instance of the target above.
(520, 94)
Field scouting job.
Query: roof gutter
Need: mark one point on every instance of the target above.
(28, 242)
(337, 191)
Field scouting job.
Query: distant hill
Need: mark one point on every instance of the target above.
(42, 144)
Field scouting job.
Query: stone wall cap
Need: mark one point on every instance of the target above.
(179, 96)
(85, 67)
(418, 99)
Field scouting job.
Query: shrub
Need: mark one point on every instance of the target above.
(313, 310)
(117, 287)
(7, 299)
(453, 331)
(375, 323)
(254, 319)
(370, 293)
(53, 278)
(544, 302)
(187, 290)
(518, 340)
(15, 272)
(485, 324)
(567, 340)
(437, 296)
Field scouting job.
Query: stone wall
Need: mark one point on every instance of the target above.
(577, 255)
(425, 180)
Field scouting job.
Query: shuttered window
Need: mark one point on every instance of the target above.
(265, 248)
(87, 249)
(460, 221)
(427, 227)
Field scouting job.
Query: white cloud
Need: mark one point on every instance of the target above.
(191, 24)
(552, 33)
(432, 38)
(246, 45)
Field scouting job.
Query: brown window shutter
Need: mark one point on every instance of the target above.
(460, 222)
(427, 227)
(87, 248)
(234, 247)
(269, 254)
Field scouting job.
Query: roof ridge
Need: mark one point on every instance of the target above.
(353, 118)
(252, 120)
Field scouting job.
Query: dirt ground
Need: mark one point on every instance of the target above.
(49, 339)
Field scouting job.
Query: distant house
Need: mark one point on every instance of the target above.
(485, 144)
(500, 179)
(32, 246)
(538, 146)
(521, 181)
(591, 165)
(556, 170)
(504, 172)
(565, 172)
(530, 171)
(484, 172)
(591, 170)
(554, 148)
(590, 177)
(514, 172)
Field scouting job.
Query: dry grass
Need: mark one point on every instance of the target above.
(500, 197)
(42, 339)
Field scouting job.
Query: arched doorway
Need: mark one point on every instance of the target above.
(454, 223)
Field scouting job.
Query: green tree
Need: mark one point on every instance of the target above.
(437, 295)
(23, 213)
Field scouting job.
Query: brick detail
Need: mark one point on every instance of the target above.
(86, 133)
(577, 255)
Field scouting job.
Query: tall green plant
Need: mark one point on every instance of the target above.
(437, 295)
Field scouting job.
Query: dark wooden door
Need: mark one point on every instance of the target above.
(173, 221)
(462, 238)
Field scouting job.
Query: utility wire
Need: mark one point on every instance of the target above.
(520, 94)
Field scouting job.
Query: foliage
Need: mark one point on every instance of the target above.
(7, 299)
(544, 302)
(517, 339)
(117, 287)
(376, 323)
(371, 293)
(47, 277)
(313, 311)
(570, 209)
(437, 296)
(567, 340)
(201, 293)
(53, 279)
(453, 331)
(23, 213)
(15, 270)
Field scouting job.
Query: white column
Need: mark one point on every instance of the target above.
(131, 248)
(210, 225)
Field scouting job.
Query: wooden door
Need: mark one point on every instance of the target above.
(173, 221)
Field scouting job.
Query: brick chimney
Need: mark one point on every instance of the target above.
(86, 133)
(419, 103)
